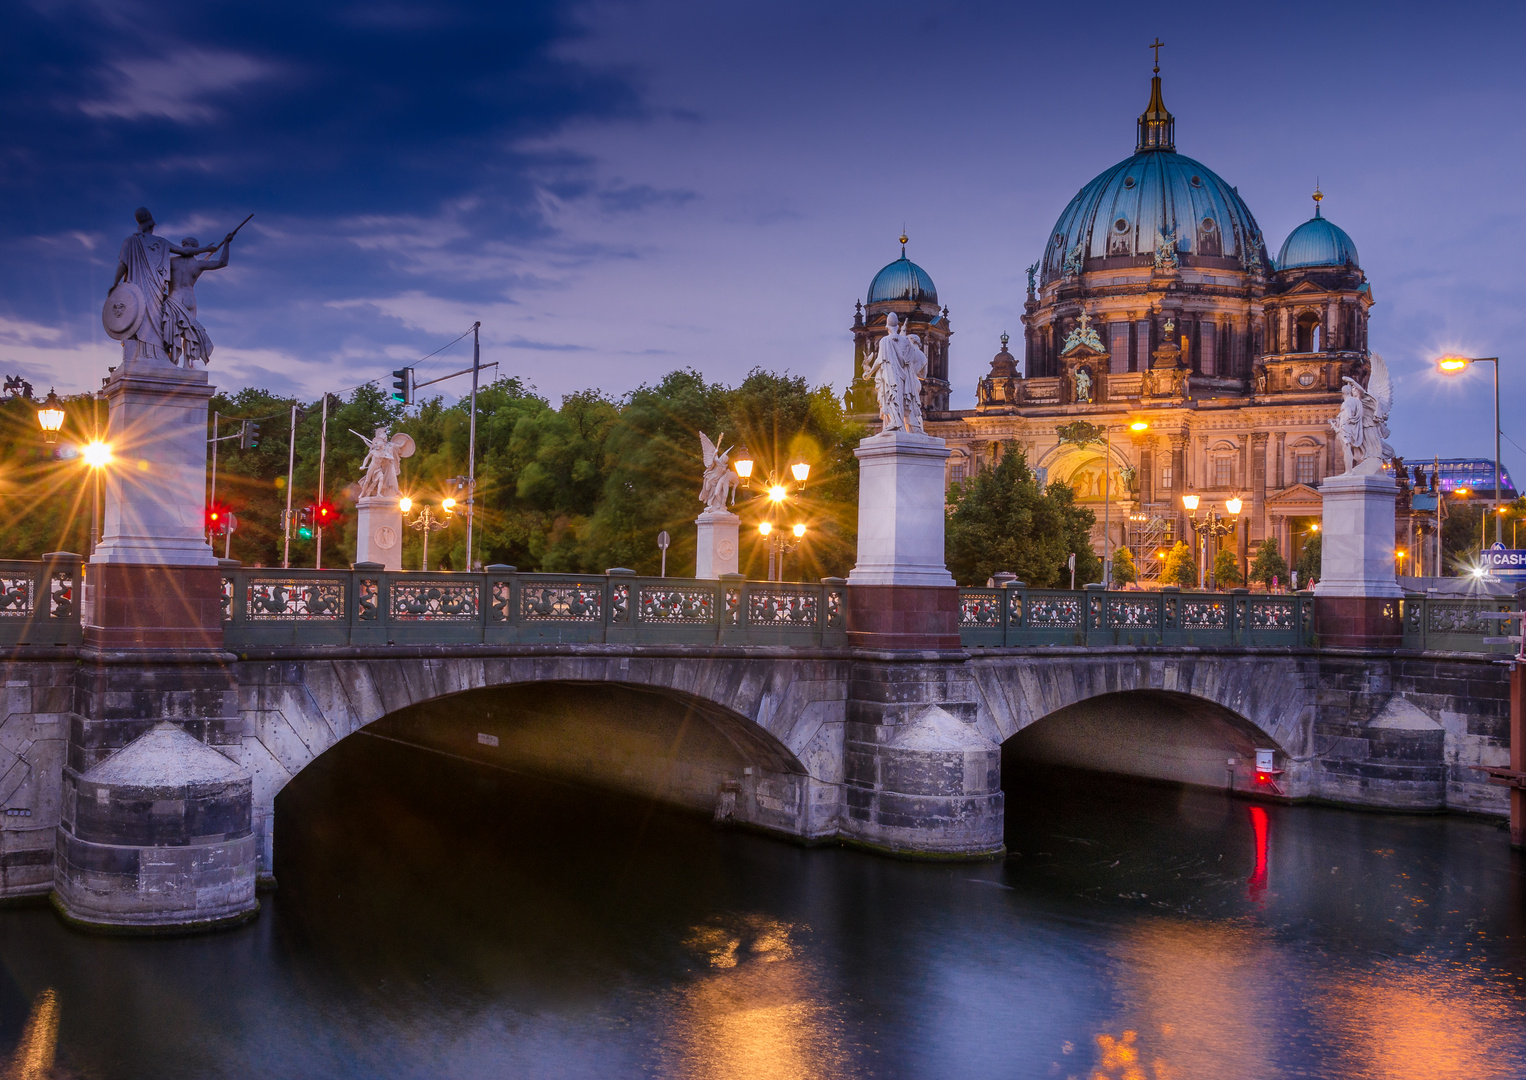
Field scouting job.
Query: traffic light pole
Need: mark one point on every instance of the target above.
(291, 466)
(323, 449)
(471, 455)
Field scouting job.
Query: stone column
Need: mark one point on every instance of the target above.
(1258, 441)
(717, 550)
(156, 827)
(379, 531)
(1281, 454)
(919, 777)
(1357, 598)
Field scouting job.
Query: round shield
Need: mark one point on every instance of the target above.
(123, 311)
(404, 444)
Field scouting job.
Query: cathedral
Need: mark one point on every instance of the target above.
(1165, 352)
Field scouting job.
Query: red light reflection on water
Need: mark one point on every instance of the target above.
(1260, 824)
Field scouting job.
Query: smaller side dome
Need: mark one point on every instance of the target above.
(1004, 364)
(902, 280)
(1317, 242)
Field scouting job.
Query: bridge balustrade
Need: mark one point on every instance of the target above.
(1018, 615)
(1455, 623)
(272, 608)
(39, 601)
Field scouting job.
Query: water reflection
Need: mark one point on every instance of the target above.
(435, 920)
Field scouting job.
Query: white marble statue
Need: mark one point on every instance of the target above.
(151, 305)
(898, 369)
(384, 455)
(1361, 425)
(720, 483)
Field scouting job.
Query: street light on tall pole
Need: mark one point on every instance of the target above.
(1454, 365)
(1212, 526)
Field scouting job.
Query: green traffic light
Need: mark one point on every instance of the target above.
(305, 533)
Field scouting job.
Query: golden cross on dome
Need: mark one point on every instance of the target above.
(1157, 44)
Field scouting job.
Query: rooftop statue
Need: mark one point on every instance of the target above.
(720, 483)
(1361, 425)
(1083, 333)
(384, 454)
(151, 305)
(897, 371)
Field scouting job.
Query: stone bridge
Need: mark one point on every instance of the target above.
(749, 701)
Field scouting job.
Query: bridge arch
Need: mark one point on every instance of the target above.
(768, 730)
(1135, 713)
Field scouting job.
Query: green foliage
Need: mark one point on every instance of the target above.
(1308, 566)
(1269, 565)
(1460, 534)
(1180, 567)
(1000, 519)
(1226, 569)
(45, 489)
(1124, 570)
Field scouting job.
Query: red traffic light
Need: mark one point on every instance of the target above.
(325, 514)
(217, 518)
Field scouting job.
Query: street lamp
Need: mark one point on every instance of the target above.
(427, 522)
(776, 491)
(51, 417)
(743, 463)
(1454, 365)
(1212, 526)
(1137, 427)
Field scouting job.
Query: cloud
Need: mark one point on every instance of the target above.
(179, 87)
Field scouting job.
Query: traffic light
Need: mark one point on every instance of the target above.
(325, 516)
(305, 523)
(402, 385)
(217, 519)
(248, 435)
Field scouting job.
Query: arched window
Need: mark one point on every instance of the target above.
(1308, 333)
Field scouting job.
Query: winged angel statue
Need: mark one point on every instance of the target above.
(1362, 423)
(720, 482)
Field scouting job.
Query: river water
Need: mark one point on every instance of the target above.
(436, 919)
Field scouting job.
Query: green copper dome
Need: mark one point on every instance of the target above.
(1317, 242)
(903, 280)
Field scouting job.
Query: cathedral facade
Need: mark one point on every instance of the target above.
(1164, 352)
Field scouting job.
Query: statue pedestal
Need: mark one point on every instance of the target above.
(1356, 600)
(900, 593)
(718, 549)
(379, 531)
(153, 580)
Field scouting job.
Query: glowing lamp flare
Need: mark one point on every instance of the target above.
(801, 470)
(1190, 501)
(1233, 506)
(1452, 364)
(743, 463)
(1139, 425)
(778, 493)
(51, 416)
(405, 504)
(97, 454)
(448, 505)
(765, 527)
(799, 530)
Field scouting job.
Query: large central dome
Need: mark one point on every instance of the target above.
(1122, 215)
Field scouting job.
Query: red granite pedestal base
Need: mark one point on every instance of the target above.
(903, 616)
(133, 606)
(1358, 622)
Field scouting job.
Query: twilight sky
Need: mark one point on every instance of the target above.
(619, 189)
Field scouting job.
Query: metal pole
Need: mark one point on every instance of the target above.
(1107, 507)
(425, 531)
(323, 449)
(228, 543)
(291, 464)
(1499, 523)
(471, 457)
(212, 498)
(95, 479)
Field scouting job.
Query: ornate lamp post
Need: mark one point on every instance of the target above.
(50, 416)
(1454, 365)
(1212, 527)
(427, 521)
(776, 493)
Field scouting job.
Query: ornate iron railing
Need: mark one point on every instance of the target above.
(40, 601)
(271, 608)
(1454, 623)
(1018, 615)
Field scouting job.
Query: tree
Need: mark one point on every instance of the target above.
(1179, 568)
(1124, 570)
(1000, 519)
(1461, 531)
(1226, 569)
(1309, 562)
(1269, 565)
